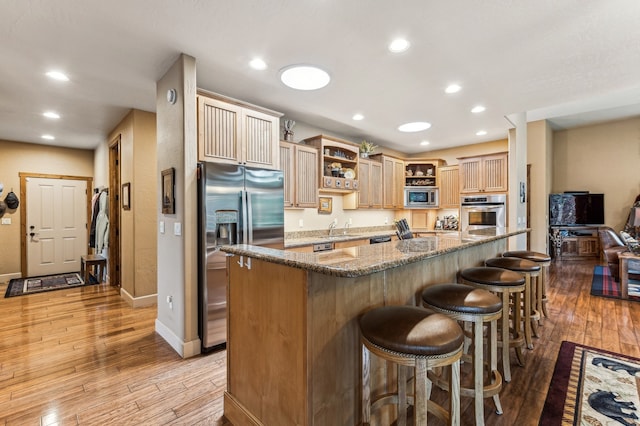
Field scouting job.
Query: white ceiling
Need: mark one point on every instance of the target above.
(573, 61)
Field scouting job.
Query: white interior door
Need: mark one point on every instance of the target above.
(56, 225)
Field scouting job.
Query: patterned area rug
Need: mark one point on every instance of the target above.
(592, 387)
(22, 286)
(604, 285)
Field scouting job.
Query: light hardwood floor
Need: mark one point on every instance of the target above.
(82, 356)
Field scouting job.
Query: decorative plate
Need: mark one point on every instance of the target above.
(349, 173)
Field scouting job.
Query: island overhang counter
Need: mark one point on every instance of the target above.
(293, 347)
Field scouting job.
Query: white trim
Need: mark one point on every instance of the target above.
(184, 349)
(139, 302)
(5, 278)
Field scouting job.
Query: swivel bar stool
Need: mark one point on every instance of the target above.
(478, 307)
(505, 283)
(411, 337)
(544, 260)
(530, 271)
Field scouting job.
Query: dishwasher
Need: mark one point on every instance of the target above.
(322, 247)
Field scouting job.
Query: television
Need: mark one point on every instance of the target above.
(576, 208)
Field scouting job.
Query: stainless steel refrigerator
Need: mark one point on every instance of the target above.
(237, 205)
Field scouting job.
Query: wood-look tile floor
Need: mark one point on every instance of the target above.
(82, 356)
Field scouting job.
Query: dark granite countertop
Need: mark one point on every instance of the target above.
(368, 259)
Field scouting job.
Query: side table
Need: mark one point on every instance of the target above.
(628, 262)
(91, 261)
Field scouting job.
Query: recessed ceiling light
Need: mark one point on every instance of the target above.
(481, 132)
(416, 126)
(304, 77)
(477, 109)
(424, 143)
(453, 88)
(57, 75)
(358, 117)
(51, 114)
(48, 137)
(258, 64)
(399, 45)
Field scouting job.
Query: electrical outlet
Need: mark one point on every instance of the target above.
(177, 228)
(300, 223)
(350, 221)
(386, 220)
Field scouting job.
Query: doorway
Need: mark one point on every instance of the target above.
(114, 213)
(53, 222)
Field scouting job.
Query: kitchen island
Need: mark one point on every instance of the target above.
(293, 350)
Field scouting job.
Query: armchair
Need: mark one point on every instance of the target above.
(612, 245)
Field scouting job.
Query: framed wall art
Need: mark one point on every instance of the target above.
(168, 196)
(324, 205)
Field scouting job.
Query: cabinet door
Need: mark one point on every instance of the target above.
(306, 176)
(260, 139)
(588, 247)
(398, 180)
(470, 175)
(364, 191)
(393, 185)
(287, 167)
(375, 185)
(495, 173)
(219, 134)
(449, 187)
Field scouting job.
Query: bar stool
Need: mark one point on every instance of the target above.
(479, 307)
(505, 283)
(412, 337)
(530, 271)
(544, 260)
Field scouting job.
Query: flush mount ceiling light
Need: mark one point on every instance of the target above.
(258, 64)
(57, 75)
(399, 45)
(51, 114)
(416, 126)
(304, 77)
(481, 132)
(453, 88)
(478, 109)
(358, 117)
(48, 137)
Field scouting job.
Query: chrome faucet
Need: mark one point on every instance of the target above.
(332, 226)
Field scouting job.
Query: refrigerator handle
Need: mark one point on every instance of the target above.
(249, 217)
(243, 197)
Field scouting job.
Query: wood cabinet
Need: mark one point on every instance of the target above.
(487, 173)
(370, 178)
(393, 182)
(338, 164)
(299, 163)
(230, 131)
(449, 187)
(575, 241)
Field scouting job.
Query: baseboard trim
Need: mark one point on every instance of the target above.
(139, 302)
(5, 278)
(184, 349)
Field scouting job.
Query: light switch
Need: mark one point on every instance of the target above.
(177, 228)
(6, 221)
(162, 226)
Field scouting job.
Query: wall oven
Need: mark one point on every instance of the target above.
(483, 211)
(420, 198)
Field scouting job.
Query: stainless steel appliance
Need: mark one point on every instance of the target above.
(237, 205)
(483, 211)
(420, 197)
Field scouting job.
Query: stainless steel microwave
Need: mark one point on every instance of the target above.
(420, 198)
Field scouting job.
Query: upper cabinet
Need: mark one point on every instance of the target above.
(487, 173)
(230, 131)
(449, 187)
(421, 173)
(338, 163)
(393, 182)
(299, 164)
(370, 178)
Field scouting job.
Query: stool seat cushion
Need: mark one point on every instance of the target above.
(492, 276)
(513, 264)
(461, 298)
(533, 256)
(411, 330)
